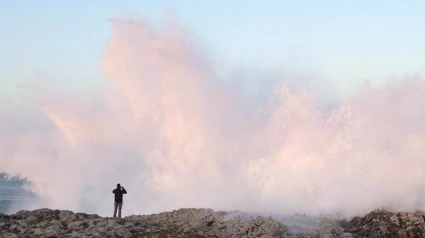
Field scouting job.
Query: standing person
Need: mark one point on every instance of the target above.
(119, 191)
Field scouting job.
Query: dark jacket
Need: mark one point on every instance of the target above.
(118, 194)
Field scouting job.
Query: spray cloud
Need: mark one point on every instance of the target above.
(175, 136)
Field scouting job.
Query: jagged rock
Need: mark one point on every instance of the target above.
(387, 224)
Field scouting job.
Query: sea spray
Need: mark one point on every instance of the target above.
(169, 130)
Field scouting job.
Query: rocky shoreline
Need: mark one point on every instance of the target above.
(202, 223)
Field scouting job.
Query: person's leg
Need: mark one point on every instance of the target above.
(119, 209)
(115, 209)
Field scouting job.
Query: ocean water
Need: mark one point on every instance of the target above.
(13, 194)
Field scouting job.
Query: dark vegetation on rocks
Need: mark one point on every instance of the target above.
(201, 223)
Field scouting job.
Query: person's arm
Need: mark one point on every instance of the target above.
(124, 191)
(113, 191)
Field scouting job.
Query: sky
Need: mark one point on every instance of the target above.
(341, 42)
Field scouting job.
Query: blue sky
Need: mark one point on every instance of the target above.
(343, 42)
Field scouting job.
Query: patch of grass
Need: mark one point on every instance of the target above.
(167, 234)
(121, 221)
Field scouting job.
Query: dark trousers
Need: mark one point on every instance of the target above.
(117, 206)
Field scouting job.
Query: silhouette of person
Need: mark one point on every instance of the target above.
(119, 191)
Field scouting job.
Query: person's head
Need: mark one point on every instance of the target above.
(118, 186)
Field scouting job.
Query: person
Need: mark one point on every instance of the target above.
(119, 191)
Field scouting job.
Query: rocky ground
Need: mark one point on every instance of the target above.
(387, 224)
(199, 223)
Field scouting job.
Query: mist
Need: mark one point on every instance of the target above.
(174, 135)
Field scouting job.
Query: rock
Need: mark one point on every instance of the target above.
(387, 224)
(329, 229)
(199, 223)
